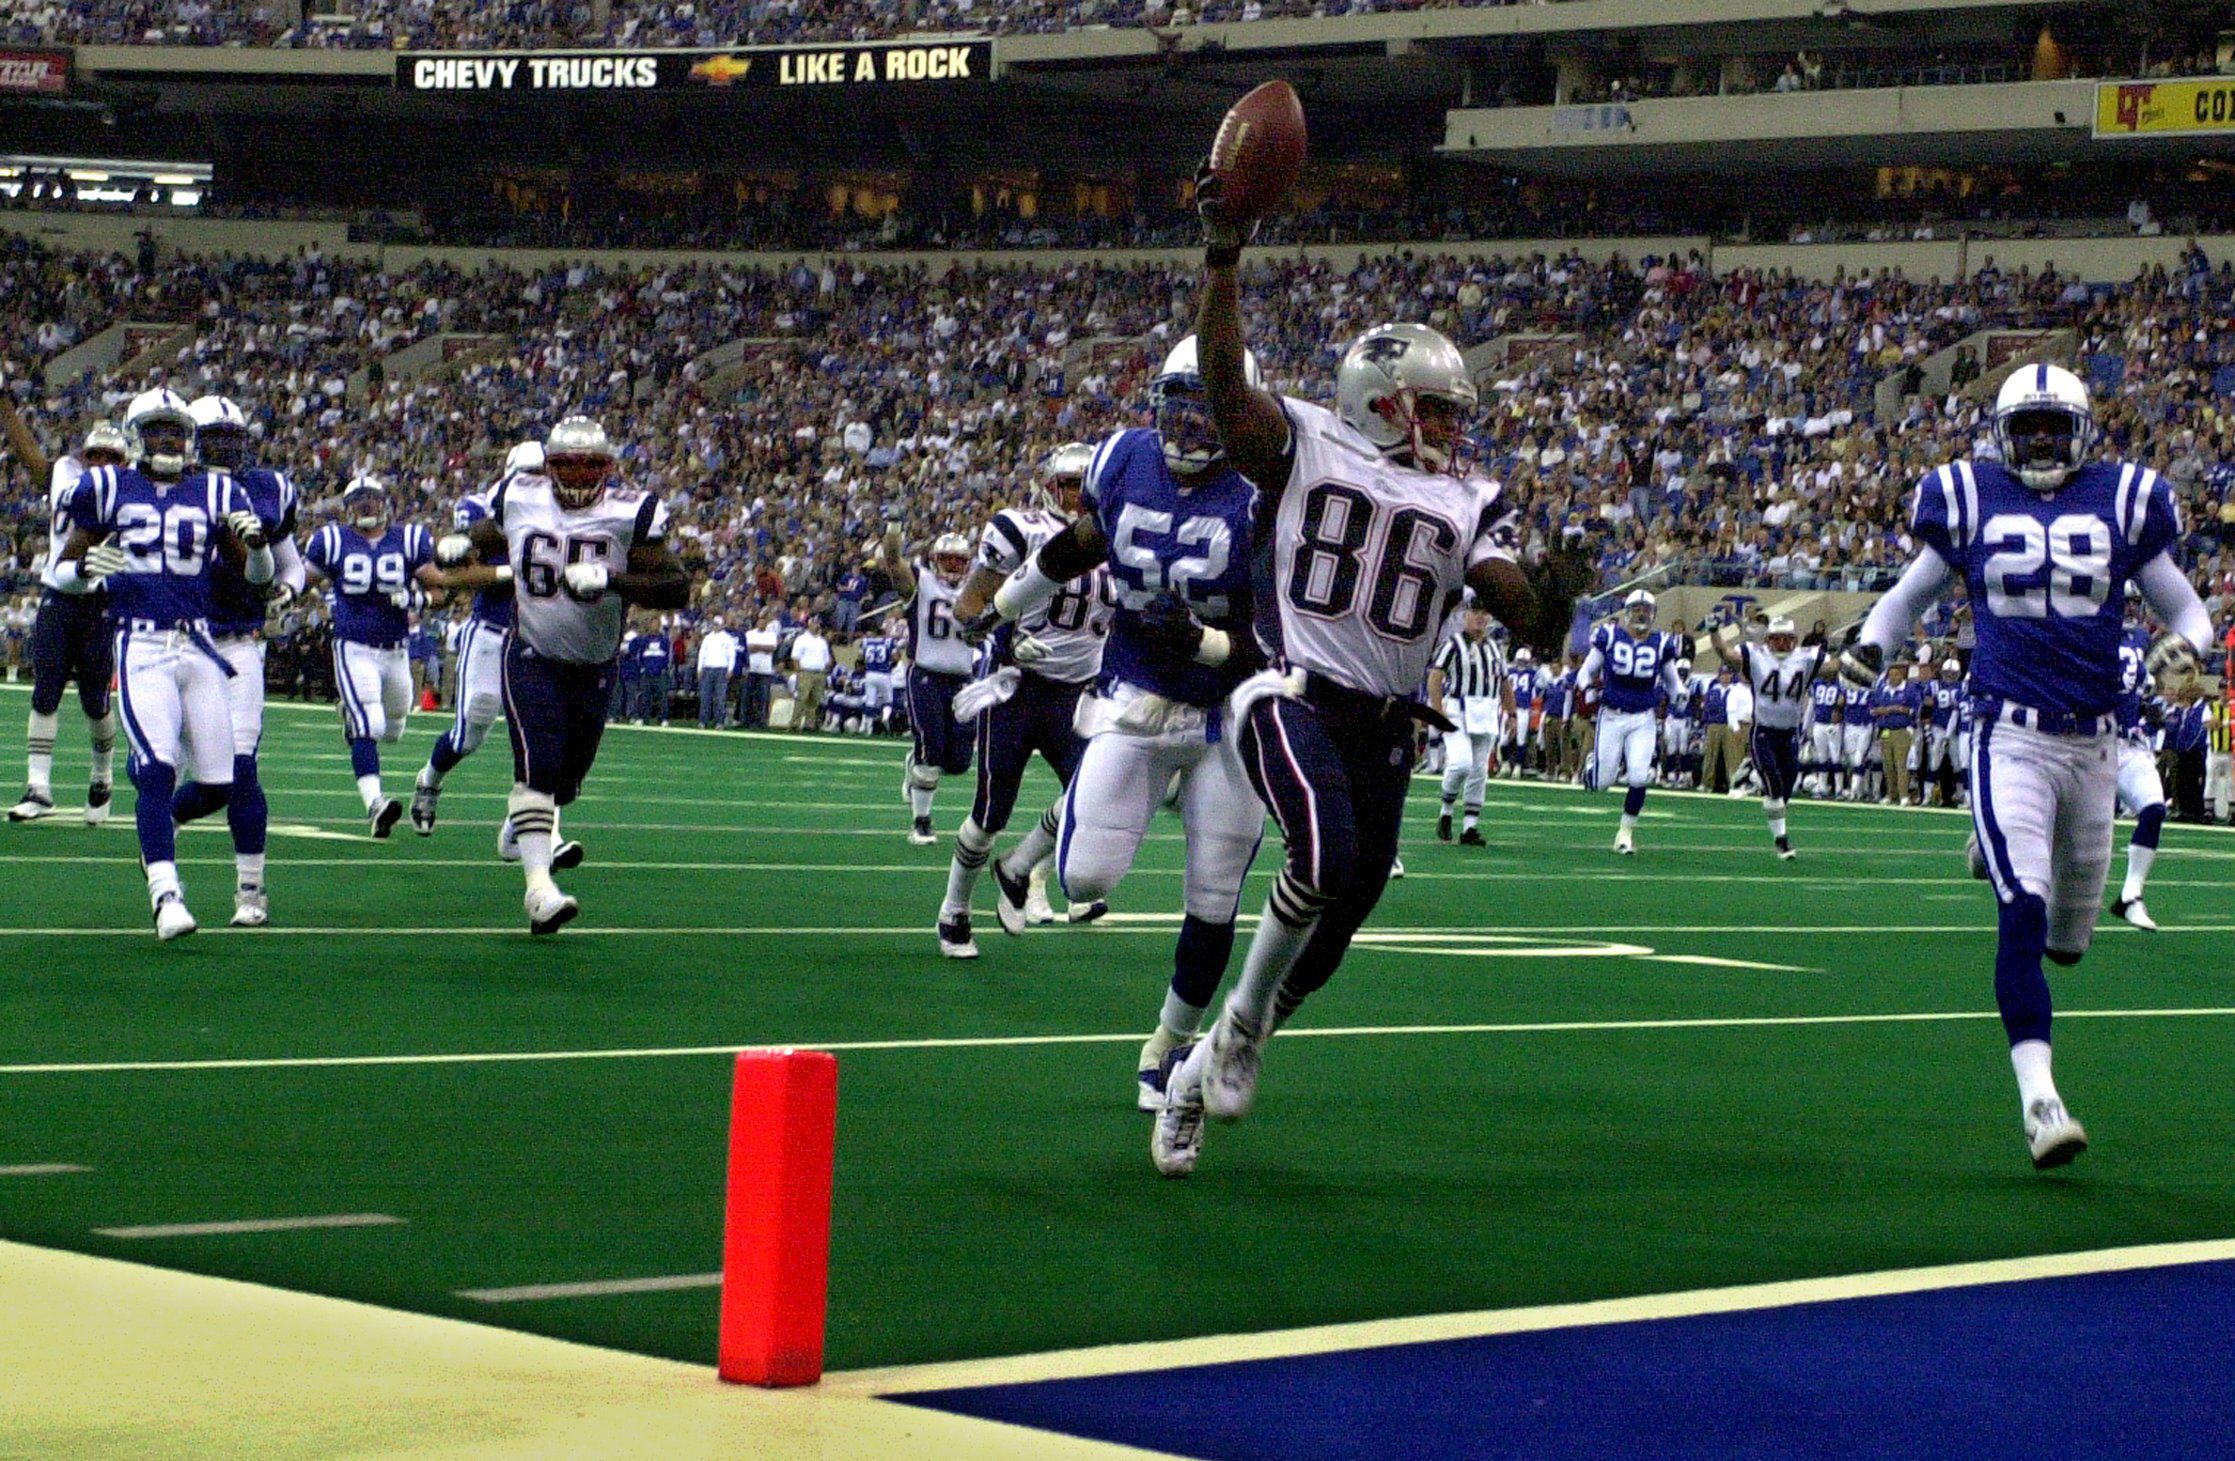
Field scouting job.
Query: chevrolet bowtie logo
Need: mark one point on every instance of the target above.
(720, 70)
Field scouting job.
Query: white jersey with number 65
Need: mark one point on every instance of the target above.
(1369, 556)
(542, 538)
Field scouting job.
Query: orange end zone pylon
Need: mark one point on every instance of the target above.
(783, 1133)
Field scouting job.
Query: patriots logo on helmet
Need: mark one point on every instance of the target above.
(1385, 349)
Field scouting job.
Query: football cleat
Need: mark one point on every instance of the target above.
(2133, 911)
(566, 855)
(920, 834)
(384, 815)
(97, 798)
(1086, 912)
(1977, 856)
(1443, 827)
(549, 910)
(955, 940)
(1624, 843)
(1785, 852)
(1472, 837)
(1396, 868)
(2052, 1135)
(1012, 899)
(1154, 1079)
(251, 909)
(423, 799)
(1037, 909)
(35, 804)
(172, 920)
(1230, 1066)
(1177, 1139)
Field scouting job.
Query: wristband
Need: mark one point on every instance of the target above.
(504, 573)
(259, 568)
(1216, 646)
(68, 577)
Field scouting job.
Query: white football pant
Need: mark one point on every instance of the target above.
(1624, 749)
(375, 688)
(2043, 807)
(1106, 811)
(244, 693)
(171, 697)
(480, 685)
(2139, 784)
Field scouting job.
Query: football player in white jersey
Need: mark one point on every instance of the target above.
(1027, 702)
(1371, 526)
(940, 662)
(70, 636)
(2045, 541)
(1779, 670)
(579, 550)
(1633, 664)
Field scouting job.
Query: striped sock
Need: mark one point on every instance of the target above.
(1291, 913)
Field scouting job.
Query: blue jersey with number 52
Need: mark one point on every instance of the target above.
(1193, 541)
(368, 575)
(2047, 573)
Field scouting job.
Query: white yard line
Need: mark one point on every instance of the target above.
(254, 1225)
(995, 1042)
(42, 1169)
(595, 1289)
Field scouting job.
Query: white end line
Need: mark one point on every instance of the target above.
(253, 1225)
(595, 1289)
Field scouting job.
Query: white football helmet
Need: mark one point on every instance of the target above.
(1406, 389)
(107, 437)
(220, 432)
(950, 556)
(1782, 628)
(1951, 669)
(526, 457)
(1061, 476)
(1638, 611)
(2044, 425)
(1522, 659)
(159, 432)
(579, 459)
(1183, 416)
(364, 505)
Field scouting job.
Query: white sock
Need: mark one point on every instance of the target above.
(2138, 860)
(1777, 827)
(1775, 811)
(104, 749)
(2030, 1059)
(41, 738)
(162, 882)
(368, 787)
(1177, 1022)
(249, 866)
(1291, 913)
(972, 845)
(1034, 849)
(1629, 823)
(1471, 820)
(919, 799)
(508, 842)
(430, 777)
(534, 819)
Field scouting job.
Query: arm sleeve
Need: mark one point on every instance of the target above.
(85, 502)
(2148, 516)
(651, 523)
(1090, 487)
(2174, 597)
(1497, 530)
(1002, 547)
(289, 561)
(320, 553)
(1891, 617)
(1593, 663)
(1943, 512)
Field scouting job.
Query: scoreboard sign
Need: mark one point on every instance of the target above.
(34, 73)
(2164, 108)
(745, 68)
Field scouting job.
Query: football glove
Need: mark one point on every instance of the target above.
(2172, 661)
(1169, 626)
(247, 529)
(1861, 664)
(453, 549)
(586, 581)
(399, 597)
(101, 560)
(976, 632)
(1221, 234)
(1026, 650)
(278, 597)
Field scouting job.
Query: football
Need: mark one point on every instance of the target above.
(1259, 150)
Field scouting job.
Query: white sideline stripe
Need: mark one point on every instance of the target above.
(253, 1225)
(42, 1169)
(1119, 1359)
(596, 1289)
(1103, 927)
(996, 1042)
(1714, 963)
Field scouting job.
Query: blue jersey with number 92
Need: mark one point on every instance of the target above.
(168, 534)
(2047, 573)
(1194, 542)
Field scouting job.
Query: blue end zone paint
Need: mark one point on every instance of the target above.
(2138, 1363)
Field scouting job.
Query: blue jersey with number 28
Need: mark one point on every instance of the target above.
(1194, 541)
(2047, 573)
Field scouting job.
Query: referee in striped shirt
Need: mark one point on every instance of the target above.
(1467, 679)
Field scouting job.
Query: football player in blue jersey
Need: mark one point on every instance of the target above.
(480, 691)
(2045, 540)
(1172, 520)
(238, 609)
(2141, 789)
(153, 533)
(70, 636)
(1633, 664)
(372, 564)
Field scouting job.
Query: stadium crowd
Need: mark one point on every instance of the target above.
(1703, 429)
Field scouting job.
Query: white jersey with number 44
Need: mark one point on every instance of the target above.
(1780, 682)
(543, 538)
(1368, 556)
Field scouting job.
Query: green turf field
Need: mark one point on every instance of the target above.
(1548, 1075)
